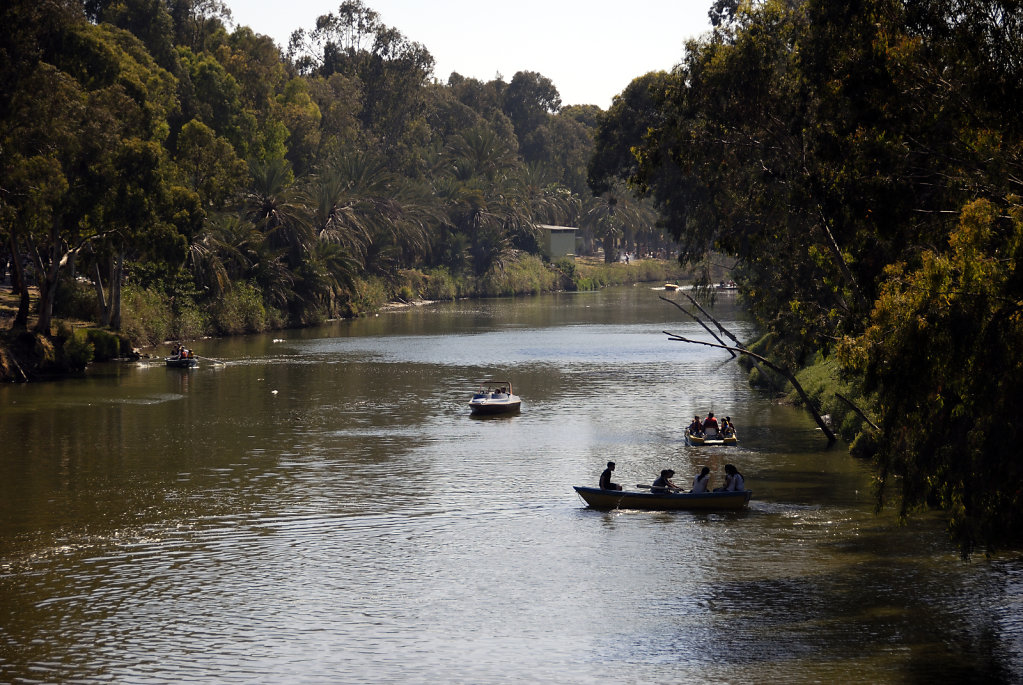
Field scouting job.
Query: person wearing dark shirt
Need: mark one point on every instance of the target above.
(663, 483)
(605, 478)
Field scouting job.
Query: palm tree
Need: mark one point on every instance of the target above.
(611, 216)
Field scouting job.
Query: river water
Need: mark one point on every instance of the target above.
(317, 506)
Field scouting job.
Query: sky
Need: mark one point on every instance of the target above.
(590, 49)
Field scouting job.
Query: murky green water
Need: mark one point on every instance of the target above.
(320, 507)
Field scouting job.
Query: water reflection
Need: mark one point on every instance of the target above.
(324, 509)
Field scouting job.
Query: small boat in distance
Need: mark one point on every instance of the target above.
(181, 362)
(671, 286)
(708, 439)
(181, 358)
(494, 397)
(669, 501)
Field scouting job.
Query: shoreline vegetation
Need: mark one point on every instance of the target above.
(150, 319)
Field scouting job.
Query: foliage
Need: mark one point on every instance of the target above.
(825, 146)
(956, 314)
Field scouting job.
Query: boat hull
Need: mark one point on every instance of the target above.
(704, 501)
(491, 407)
(696, 441)
(186, 363)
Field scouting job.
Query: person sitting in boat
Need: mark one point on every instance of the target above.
(710, 424)
(701, 480)
(696, 427)
(734, 482)
(605, 478)
(727, 429)
(663, 482)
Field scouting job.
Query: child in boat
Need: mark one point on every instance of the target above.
(701, 480)
(605, 478)
(695, 428)
(663, 482)
(727, 428)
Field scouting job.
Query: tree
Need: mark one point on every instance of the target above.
(958, 316)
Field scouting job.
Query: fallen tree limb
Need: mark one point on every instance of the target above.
(697, 319)
(858, 411)
(771, 365)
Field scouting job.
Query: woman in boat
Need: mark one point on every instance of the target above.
(701, 481)
(734, 482)
(605, 478)
(663, 483)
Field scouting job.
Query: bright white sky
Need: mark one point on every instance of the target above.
(590, 49)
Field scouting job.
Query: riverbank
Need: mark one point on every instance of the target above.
(149, 318)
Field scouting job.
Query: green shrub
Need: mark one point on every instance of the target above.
(441, 285)
(106, 345)
(75, 300)
(77, 351)
(240, 310)
(146, 315)
(191, 323)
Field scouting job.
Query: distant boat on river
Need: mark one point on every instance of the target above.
(494, 397)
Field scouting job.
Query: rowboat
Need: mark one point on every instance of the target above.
(708, 440)
(703, 501)
(181, 362)
(494, 397)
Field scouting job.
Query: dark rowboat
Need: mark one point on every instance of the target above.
(181, 362)
(705, 501)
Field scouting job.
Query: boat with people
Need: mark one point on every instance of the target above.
(181, 362)
(494, 397)
(181, 358)
(711, 431)
(708, 439)
(598, 498)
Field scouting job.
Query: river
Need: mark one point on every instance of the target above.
(317, 506)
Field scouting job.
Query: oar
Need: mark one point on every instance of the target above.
(648, 487)
(211, 359)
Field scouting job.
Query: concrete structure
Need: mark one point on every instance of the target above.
(559, 241)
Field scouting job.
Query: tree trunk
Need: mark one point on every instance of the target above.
(115, 292)
(104, 306)
(21, 319)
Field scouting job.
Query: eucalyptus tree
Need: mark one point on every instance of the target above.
(392, 71)
(99, 110)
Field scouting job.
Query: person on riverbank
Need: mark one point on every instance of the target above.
(734, 481)
(605, 478)
(663, 483)
(701, 481)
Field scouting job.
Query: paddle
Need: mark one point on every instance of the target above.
(648, 487)
(211, 359)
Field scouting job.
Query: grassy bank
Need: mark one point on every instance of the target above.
(151, 317)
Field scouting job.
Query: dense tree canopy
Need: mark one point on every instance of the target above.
(152, 144)
(861, 161)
